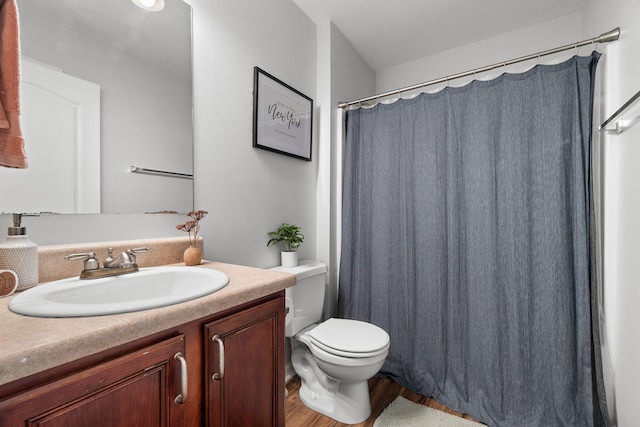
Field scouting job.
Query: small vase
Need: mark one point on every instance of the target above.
(289, 258)
(192, 255)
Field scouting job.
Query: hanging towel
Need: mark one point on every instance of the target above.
(12, 152)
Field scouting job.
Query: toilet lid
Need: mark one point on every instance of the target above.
(349, 337)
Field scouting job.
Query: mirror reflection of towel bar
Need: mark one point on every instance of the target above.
(136, 169)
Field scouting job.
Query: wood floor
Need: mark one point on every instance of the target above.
(382, 391)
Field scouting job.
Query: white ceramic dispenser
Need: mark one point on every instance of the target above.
(20, 255)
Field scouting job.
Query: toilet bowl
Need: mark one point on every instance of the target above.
(334, 377)
(334, 358)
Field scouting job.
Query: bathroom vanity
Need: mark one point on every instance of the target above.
(215, 361)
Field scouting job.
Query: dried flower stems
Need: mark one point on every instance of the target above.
(193, 225)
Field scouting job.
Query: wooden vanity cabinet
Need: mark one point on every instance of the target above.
(136, 389)
(136, 384)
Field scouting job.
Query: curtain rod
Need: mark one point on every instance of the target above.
(609, 36)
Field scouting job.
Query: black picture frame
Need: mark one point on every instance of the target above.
(282, 117)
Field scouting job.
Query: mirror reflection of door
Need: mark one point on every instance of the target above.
(60, 119)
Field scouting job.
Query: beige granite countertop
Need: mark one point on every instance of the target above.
(30, 344)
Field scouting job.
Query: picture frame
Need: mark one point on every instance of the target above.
(282, 117)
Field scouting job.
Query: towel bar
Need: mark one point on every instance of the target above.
(136, 169)
(620, 126)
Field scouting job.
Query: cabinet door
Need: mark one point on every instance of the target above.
(245, 367)
(137, 389)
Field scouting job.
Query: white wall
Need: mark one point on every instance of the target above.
(247, 191)
(342, 76)
(621, 66)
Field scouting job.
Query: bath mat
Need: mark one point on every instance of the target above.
(404, 413)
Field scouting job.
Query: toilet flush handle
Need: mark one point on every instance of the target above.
(219, 375)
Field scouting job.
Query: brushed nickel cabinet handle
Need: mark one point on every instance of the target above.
(184, 379)
(220, 374)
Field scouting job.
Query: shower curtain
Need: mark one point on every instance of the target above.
(466, 237)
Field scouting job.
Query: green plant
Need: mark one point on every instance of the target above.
(289, 235)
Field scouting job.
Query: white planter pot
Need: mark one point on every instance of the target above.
(289, 258)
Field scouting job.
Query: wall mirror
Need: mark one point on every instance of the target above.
(107, 86)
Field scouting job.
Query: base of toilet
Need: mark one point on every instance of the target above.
(349, 405)
(345, 401)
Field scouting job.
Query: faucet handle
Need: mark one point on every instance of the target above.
(135, 250)
(90, 261)
(132, 252)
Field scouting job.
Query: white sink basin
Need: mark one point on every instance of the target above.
(148, 288)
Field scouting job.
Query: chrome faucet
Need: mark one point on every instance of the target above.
(122, 264)
(124, 260)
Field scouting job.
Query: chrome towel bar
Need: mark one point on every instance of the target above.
(136, 169)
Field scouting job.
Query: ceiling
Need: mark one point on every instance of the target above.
(157, 37)
(392, 32)
(384, 32)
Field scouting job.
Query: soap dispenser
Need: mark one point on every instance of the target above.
(20, 255)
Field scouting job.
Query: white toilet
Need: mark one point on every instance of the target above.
(335, 358)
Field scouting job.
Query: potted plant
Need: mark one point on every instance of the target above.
(290, 238)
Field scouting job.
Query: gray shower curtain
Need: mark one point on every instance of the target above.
(466, 237)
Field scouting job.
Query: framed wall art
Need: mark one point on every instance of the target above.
(282, 117)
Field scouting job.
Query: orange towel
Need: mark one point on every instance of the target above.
(12, 152)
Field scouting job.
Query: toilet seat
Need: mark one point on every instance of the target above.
(349, 338)
(347, 361)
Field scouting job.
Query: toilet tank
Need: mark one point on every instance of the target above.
(304, 300)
